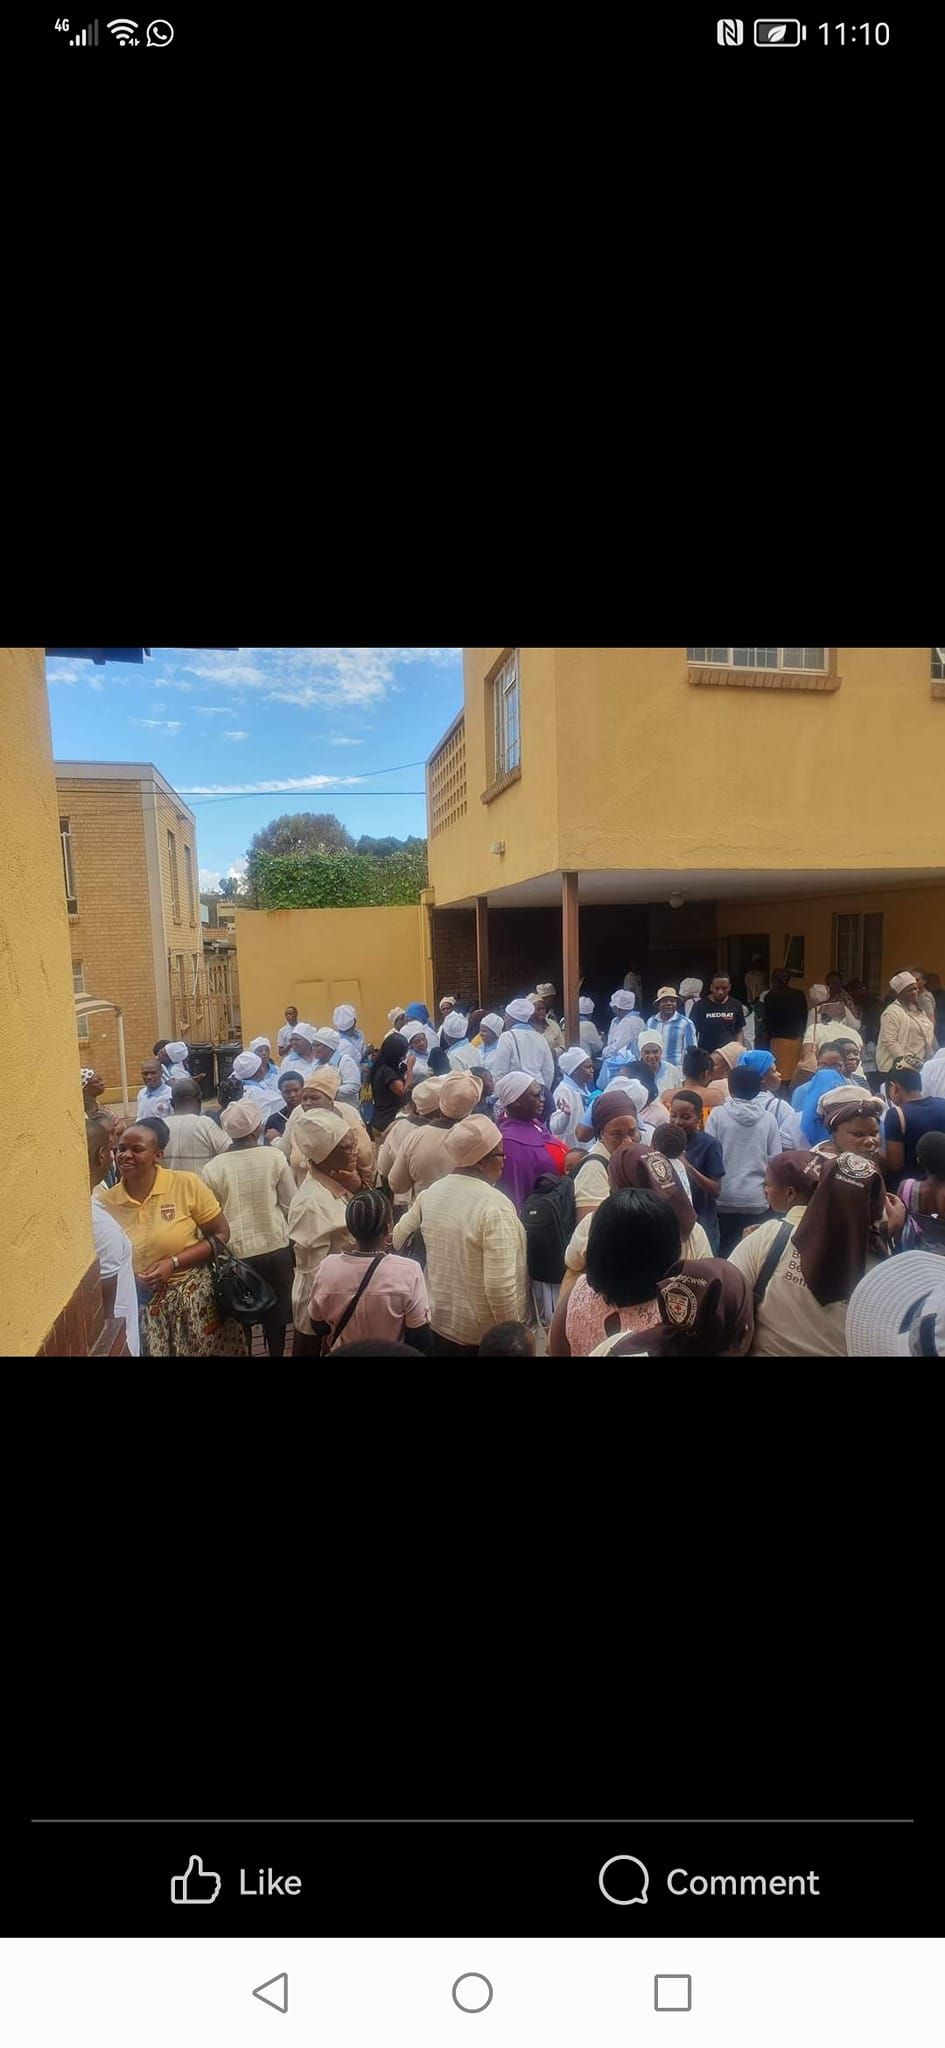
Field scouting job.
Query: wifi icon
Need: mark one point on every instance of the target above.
(124, 31)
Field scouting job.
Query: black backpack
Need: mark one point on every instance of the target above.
(549, 1217)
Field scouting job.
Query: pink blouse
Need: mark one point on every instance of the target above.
(588, 1315)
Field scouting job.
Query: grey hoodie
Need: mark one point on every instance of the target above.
(749, 1136)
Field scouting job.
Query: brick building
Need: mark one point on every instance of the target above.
(130, 876)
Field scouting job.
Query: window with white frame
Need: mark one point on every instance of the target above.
(761, 657)
(68, 871)
(175, 882)
(938, 664)
(189, 879)
(858, 947)
(506, 718)
(79, 989)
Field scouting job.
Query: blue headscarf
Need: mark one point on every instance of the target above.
(418, 1013)
(759, 1062)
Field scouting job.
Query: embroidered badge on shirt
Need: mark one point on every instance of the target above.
(168, 1212)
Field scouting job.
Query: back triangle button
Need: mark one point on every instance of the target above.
(278, 1988)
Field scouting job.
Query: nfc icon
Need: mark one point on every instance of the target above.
(730, 31)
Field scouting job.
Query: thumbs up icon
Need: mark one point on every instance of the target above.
(197, 1887)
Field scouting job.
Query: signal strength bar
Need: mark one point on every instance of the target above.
(86, 39)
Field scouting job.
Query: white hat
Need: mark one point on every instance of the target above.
(245, 1066)
(447, 1002)
(576, 1056)
(622, 999)
(900, 982)
(397, 1011)
(547, 988)
(649, 1038)
(690, 987)
(492, 1022)
(898, 1309)
(586, 1006)
(635, 1089)
(454, 1025)
(255, 1044)
(521, 1009)
(512, 1085)
(818, 993)
(306, 1031)
(326, 1036)
(344, 1017)
(666, 992)
(176, 1051)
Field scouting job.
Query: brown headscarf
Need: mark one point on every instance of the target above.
(840, 1226)
(793, 1170)
(706, 1311)
(637, 1166)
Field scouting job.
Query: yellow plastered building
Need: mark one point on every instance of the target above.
(677, 810)
(130, 879)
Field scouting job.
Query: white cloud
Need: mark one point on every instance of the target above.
(167, 683)
(337, 739)
(214, 710)
(236, 735)
(311, 676)
(271, 788)
(94, 683)
(56, 674)
(171, 725)
(209, 878)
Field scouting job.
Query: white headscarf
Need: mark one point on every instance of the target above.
(634, 1089)
(511, 1086)
(492, 1022)
(343, 1017)
(455, 1025)
(327, 1037)
(623, 999)
(575, 1056)
(397, 1011)
(256, 1044)
(933, 1075)
(520, 1010)
(306, 1031)
(246, 1066)
(176, 1051)
(586, 1006)
(649, 1038)
(690, 987)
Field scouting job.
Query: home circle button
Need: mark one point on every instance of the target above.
(472, 1992)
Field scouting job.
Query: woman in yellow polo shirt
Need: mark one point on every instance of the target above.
(170, 1218)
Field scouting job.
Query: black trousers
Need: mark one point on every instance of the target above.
(276, 1268)
(731, 1224)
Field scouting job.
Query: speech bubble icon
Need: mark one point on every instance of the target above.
(637, 1896)
(160, 33)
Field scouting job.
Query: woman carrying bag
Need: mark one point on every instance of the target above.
(370, 1293)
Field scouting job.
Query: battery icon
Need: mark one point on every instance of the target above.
(779, 35)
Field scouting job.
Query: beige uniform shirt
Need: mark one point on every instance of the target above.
(255, 1188)
(903, 1035)
(422, 1159)
(316, 1223)
(192, 1141)
(789, 1321)
(355, 1121)
(476, 1269)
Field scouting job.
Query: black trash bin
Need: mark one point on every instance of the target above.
(226, 1054)
(200, 1062)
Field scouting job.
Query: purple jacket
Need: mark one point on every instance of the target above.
(526, 1156)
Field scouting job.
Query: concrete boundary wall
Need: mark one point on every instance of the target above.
(372, 958)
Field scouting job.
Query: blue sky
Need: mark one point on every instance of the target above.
(302, 728)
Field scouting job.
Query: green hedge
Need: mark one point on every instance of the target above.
(332, 881)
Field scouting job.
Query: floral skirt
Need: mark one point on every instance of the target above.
(186, 1323)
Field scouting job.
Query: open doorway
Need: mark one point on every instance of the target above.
(748, 953)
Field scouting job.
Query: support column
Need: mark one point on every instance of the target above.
(570, 947)
(482, 948)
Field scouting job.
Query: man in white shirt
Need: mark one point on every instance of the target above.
(521, 1047)
(192, 1139)
(154, 1099)
(112, 1247)
(590, 1036)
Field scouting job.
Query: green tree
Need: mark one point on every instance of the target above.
(302, 832)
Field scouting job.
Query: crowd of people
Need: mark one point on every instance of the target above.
(725, 1177)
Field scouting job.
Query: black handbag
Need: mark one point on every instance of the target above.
(239, 1292)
